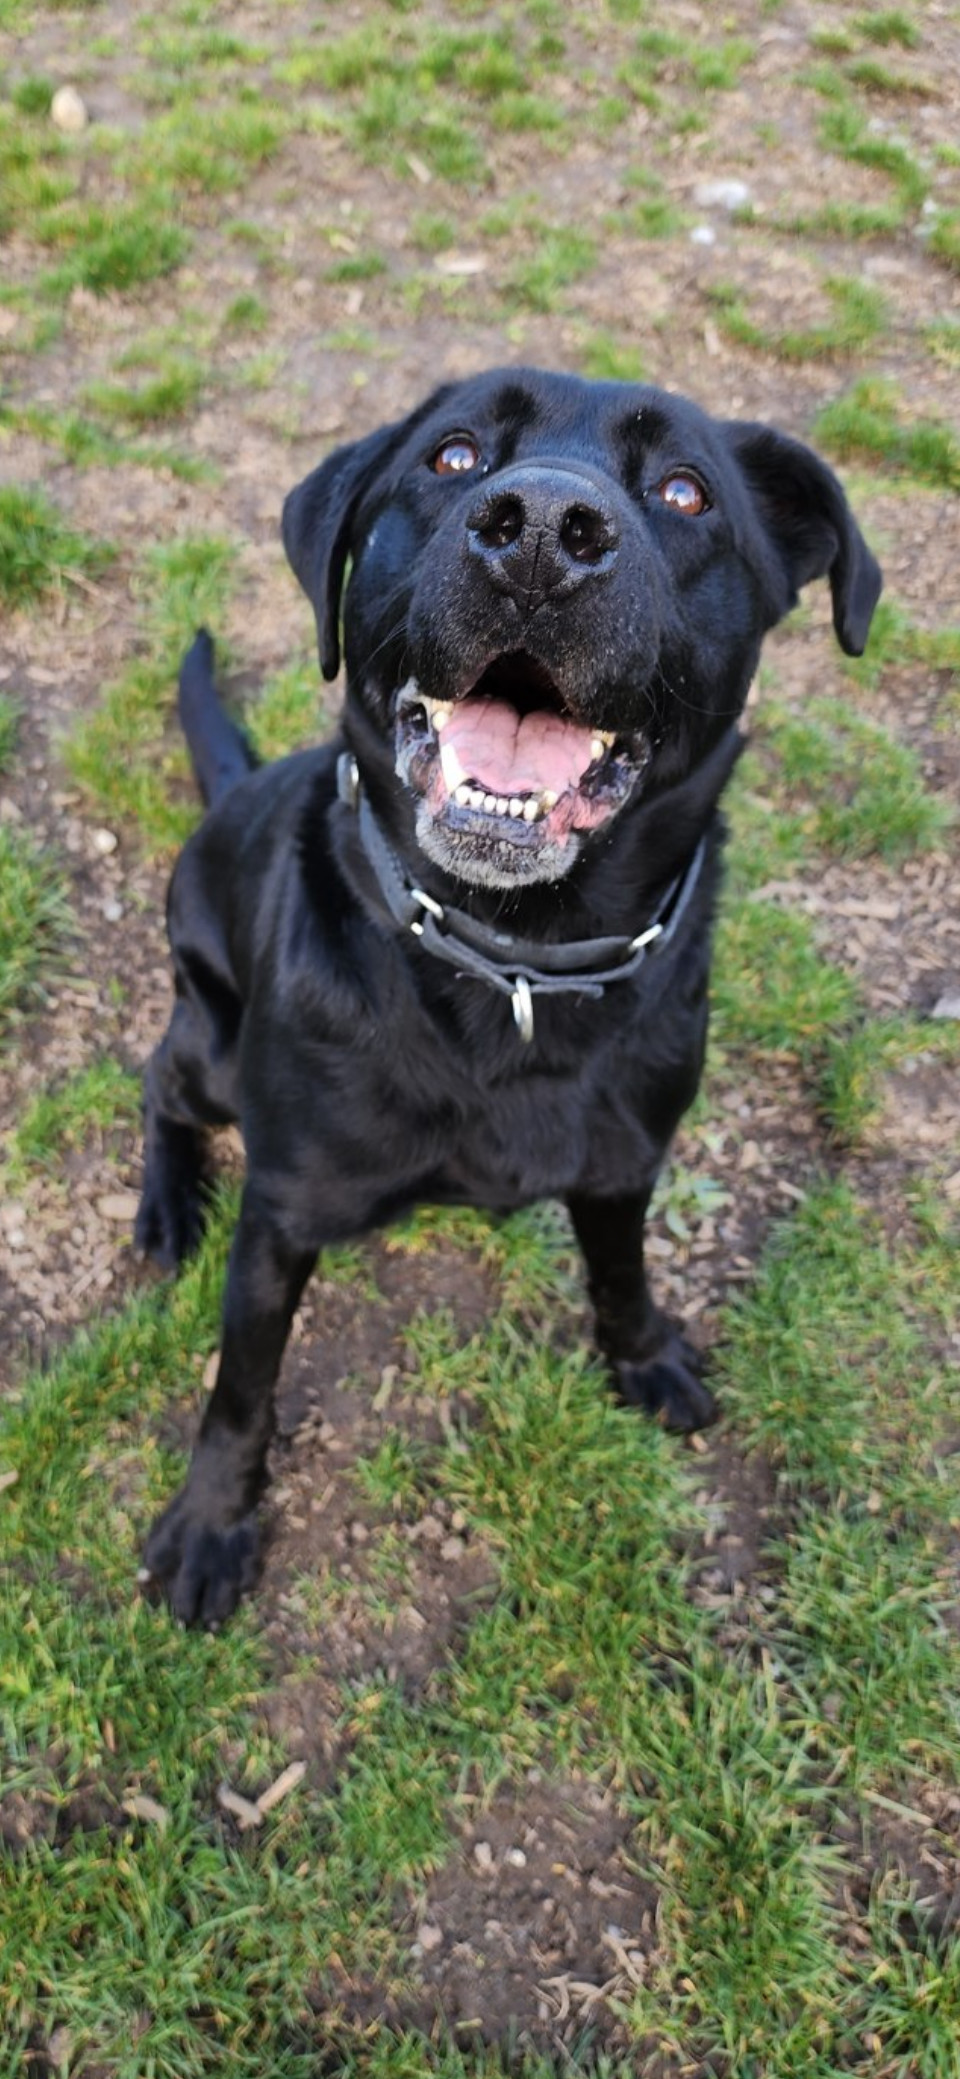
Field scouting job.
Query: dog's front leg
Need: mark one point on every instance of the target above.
(654, 1366)
(204, 1548)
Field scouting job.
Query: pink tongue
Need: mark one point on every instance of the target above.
(508, 754)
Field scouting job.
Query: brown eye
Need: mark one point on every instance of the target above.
(685, 494)
(456, 456)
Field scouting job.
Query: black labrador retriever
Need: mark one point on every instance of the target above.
(461, 953)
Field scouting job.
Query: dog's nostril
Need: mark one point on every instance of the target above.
(585, 534)
(500, 523)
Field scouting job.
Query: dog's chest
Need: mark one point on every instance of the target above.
(533, 1136)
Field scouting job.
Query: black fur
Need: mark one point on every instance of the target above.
(367, 1075)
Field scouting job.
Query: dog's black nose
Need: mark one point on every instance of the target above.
(541, 532)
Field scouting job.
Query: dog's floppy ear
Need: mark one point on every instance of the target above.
(316, 526)
(318, 517)
(810, 526)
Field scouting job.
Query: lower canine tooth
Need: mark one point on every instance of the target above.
(597, 746)
(451, 768)
(548, 799)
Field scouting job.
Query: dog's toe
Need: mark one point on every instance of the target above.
(668, 1386)
(203, 1569)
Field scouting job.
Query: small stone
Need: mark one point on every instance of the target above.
(516, 1857)
(105, 841)
(68, 111)
(113, 911)
(947, 1006)
(118, 1205)
(721, 194)
(452, 1548)
(703, 234)
(429, 1936)
(483, 1855)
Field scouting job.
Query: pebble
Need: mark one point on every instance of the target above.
(483, 1855)
(452, 1548)
(947, 1006)
(703, 234)
(105, 841)
(429, 1936)
(68, 110)
(722, 194)
(118, 1205)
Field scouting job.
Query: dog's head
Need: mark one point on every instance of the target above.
(557, 595)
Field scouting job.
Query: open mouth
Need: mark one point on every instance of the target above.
(508, 762)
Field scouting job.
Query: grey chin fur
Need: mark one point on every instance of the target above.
(494, 865)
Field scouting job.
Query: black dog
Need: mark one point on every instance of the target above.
(461, 953)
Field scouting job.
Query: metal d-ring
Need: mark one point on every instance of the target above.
(521, 1002)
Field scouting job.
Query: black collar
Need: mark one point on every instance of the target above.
(518, 968)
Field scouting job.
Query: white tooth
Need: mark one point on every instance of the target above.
(476, 797)
(516, 805)
(440, 716)
(501, 804)
(451, 768)
(531, 809)
(462, 795)
(548, 800)
(489, 803)
(597, 747)
(607, 736)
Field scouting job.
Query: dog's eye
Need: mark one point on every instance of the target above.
(456, 456)
(685, 494)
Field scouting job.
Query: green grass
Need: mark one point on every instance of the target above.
(851, 1087)
(733, 1766)
(9, 729)
(844, 130)
(775, 992)
(38, 550)
(945, 238)
(85, 1108)
(890, 25)
(89, 444)
(121, 754)
(108, 250)
(34, 917)
(859, 316)
(287, 713)
(857, 791)
(165, 396)
(870, 422)
(560, 258)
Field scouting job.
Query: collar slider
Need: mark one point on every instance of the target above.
(348, 780)
(521, 1004)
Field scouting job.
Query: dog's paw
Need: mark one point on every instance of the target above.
(202, 1568)
(668, 1386)
(169, 1223)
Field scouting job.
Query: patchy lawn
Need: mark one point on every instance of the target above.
(547, 1745)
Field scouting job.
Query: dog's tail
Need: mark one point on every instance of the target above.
(219, 750)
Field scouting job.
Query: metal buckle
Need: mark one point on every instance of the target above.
(645, 938)
(433, 909)
(348, 779)
(521, 1003)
